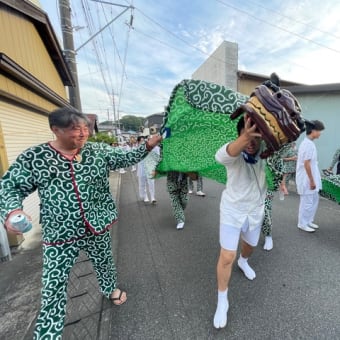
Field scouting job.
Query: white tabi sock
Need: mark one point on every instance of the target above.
(220, 317)
(268, 243)
(247, 270)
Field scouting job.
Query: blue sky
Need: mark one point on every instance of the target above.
(170, 39)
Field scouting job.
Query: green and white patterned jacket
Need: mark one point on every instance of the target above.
(75, 195)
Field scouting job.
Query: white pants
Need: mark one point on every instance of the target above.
(145, 183)
(307, 209)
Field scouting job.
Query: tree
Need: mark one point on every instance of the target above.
(131, 122)
(103, 137)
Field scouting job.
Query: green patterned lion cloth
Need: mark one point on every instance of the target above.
(331, 187)
(196, 124)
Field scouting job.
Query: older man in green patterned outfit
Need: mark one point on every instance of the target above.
(77, 208)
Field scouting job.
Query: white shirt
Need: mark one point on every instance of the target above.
(307, 151)
(245, 192)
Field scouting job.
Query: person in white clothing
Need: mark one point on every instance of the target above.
(125, 147)
(308, 177)
(133, 145)
(241, 208)
(199, 181)
(145, 182)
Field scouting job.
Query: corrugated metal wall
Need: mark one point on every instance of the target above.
(21, 123)
(22, 129)
(3, 153)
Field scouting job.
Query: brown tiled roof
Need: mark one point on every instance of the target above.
(43, 25)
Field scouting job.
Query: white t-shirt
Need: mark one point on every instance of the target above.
(307, 151)
(245, 192)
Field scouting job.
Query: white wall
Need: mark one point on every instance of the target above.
(326, 108)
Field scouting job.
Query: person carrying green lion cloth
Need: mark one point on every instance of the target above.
(231, 138)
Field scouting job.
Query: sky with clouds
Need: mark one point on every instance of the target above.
(131, 70)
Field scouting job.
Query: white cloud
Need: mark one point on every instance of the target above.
(296, 39)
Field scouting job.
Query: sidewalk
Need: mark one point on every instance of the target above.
(20, 286)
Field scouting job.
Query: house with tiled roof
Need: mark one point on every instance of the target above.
(33, 80)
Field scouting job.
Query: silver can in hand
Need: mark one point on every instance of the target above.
(21, 223)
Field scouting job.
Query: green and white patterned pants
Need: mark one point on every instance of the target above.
(57, 263)
(177, 185)
(199, 183)
(267, 220)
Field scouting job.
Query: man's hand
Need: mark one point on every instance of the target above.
(153, 141)
(250, 129)
(249, 140)
(312, 184)
(8, 224)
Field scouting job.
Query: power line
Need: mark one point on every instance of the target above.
(124, 60)
(177, 37)
(173, 34)
(296, 21)
(278, 27)
(99, 45)
(91, 28)
(161, 42)
(123, 64)
(207, 54)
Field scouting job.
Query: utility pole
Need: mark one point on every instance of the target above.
(70, 54)
(70, 51)
(114, 114)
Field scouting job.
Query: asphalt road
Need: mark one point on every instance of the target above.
(171, 282)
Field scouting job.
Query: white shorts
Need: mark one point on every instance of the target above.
(230, 236)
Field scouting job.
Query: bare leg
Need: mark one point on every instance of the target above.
(224, 267)
(283, 186)
(246, 249)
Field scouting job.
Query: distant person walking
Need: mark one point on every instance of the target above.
(146, 183)
(125, 147)
(133, 145)
(289, 157)
(177, 186)
(275, 162)
(308, 178)
(335, 161)
(267, 223)
(199, 187)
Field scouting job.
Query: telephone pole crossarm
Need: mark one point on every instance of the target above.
(102, 29)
